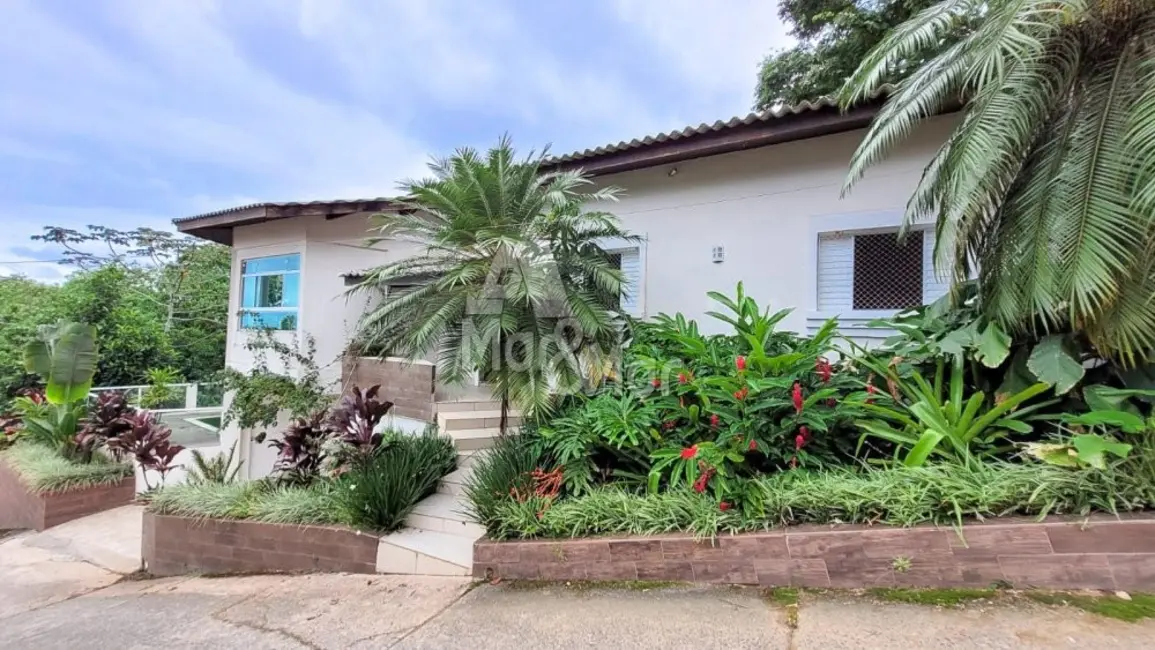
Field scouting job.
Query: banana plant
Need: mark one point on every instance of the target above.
(64, 355)
(935, 418)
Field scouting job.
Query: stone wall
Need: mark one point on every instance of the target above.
(1093, 553)
(21, 508)
(178, 545)
(410, 386)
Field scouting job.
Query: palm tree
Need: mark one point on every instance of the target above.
(510, 280)
(1046, 187)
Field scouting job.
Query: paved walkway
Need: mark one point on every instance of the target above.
(73, 587)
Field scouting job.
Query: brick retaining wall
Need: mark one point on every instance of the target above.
(178, 545)
(410, 386)
(1094, 553)
(21, 508)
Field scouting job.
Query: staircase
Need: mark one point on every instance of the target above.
(438, 537)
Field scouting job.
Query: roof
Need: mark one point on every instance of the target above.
(784, 123)
(218, 225)
(806, 119)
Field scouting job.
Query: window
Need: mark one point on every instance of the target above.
(873, 271)
(887, 272)
(270, 292)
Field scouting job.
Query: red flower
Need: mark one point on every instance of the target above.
(799, 440)
(703, 479)
(714, 419)
(683, 378)
(740, 362)
(724, 506)
(870, 390)
(741, 394)
(670, 427)
(656, 383)
(831, 402)
(753, 445)
(824, 370)
(689, 452)
(804, 431)
(796, 395)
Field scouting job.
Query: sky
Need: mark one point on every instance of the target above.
(129, 113)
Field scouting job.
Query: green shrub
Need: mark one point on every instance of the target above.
(209, 500)
(217, 469)
(44, 470)
(504, 467)
(380, 491)
(287, 504)
(901, 496)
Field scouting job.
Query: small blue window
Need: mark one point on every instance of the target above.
(270, 292)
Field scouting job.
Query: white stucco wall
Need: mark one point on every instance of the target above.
(764, 207)
(328, 249)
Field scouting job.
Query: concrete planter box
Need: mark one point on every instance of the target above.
(178, 545)
(22, 508)
(1100, 552)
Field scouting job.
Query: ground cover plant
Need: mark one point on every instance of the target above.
(334, 466)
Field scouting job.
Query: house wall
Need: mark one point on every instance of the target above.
(328, 249)
(765, 207)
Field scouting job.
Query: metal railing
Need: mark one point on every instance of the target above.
(185, 397)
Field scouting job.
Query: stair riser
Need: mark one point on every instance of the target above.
(448, 425)
(460, 528)
(473, 444)
(457, 407)
(398, 560)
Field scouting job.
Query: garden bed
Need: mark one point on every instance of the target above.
(1097, 552)
(24, 506)
(178, 545)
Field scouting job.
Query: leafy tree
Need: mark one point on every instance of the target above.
(833, 37)
(180, 282)
(1047, 186)
(26, 304)
(129, 325)
(510, 280)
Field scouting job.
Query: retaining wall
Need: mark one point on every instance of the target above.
(178, 545)
(1100, 552)
(410, 386)
(22, 508)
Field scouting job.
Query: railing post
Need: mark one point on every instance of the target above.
(190, 397)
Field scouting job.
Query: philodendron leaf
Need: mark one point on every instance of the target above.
(1053, 364)
(1053, 454)
(993, 346)
(1092, 449)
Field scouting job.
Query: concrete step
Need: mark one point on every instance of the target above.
(474, 439)
(453, 483)
(444, 513)
(456, 407)
(452, 421)
(412, 551)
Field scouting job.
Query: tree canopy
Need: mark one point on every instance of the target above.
(833, 37)
(157, 300)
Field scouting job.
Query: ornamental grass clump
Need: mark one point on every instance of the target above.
(945, 493)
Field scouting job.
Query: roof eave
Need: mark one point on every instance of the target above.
(219, 227)
(787, 128)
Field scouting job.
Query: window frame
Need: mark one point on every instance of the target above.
(243, 311)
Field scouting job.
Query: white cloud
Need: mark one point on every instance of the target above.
(716, 47)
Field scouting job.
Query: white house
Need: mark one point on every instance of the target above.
(756, 199)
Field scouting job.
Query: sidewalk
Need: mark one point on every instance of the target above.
(404, 612)
(74, 586)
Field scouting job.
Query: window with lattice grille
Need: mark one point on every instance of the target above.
(888, 273)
